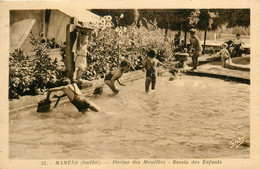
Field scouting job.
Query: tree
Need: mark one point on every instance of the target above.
(205, 23)
(211, 19)
(234, 17)
(173, 19)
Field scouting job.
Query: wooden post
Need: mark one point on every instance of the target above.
(118, 57)
(205, 37)
(68, 53)
(185, 38)
(70, 39)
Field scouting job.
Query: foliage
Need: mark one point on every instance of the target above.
(20, 73)
(174, 19)
(128, 19)
(181, 19)
(33, 74)
(111, 43)
(63, 52)
(205, 20)
(234, 17)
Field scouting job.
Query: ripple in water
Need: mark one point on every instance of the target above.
(191, 117)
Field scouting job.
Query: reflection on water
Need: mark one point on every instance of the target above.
(192, 117)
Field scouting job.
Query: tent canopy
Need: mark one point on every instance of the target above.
(19, 32)
(82, 15)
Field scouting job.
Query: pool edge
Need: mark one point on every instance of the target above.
(219, 76)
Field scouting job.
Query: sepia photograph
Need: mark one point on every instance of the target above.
(143, 86)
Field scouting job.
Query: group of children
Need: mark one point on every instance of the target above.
(82, 103)
(225, 54)
(72, 91)
(74, 94)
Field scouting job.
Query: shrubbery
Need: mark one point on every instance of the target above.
(131, 43)
(33, 74)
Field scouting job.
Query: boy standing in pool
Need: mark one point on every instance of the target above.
(195, 48)
(150, 65)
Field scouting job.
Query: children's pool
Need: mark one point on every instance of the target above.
(191, 117)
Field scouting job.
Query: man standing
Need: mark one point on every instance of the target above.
(195, 48)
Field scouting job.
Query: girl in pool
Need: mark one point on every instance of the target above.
(115, 75)
(150, 65)
(74, 95)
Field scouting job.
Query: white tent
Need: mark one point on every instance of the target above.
(60, 18)
(53, 27)
(19, 32)
(82, 15)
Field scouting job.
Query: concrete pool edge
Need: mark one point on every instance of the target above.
(236, 66)
(87, 86)
(219, 76)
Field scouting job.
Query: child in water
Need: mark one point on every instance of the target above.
(224, 54)
(150, 65)
(195, 49)
(75, 96)
(115, 75)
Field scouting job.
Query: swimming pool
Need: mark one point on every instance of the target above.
(191, 117)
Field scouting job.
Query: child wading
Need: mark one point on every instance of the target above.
(115, 75)
(150, 65)
(75, 96)
(196, 48)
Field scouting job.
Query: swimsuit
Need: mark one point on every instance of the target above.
(79, 101)
(237, 44)
(197, 47)
(151, 72)
(80, 60)
(109, 76)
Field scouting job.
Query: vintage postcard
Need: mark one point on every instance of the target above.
(130, 84)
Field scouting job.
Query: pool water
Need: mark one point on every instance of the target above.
(190, 117)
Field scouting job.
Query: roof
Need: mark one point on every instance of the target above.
(89, 19)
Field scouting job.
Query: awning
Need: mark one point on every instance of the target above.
(19, 32)
(90, 19)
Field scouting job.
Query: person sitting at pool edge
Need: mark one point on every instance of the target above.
(224, 54)
(150, 65)
(115, 75)
(75, 96)
(238, 46)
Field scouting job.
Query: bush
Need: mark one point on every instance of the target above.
(129, 43)
(21, 71)
(33, 74)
